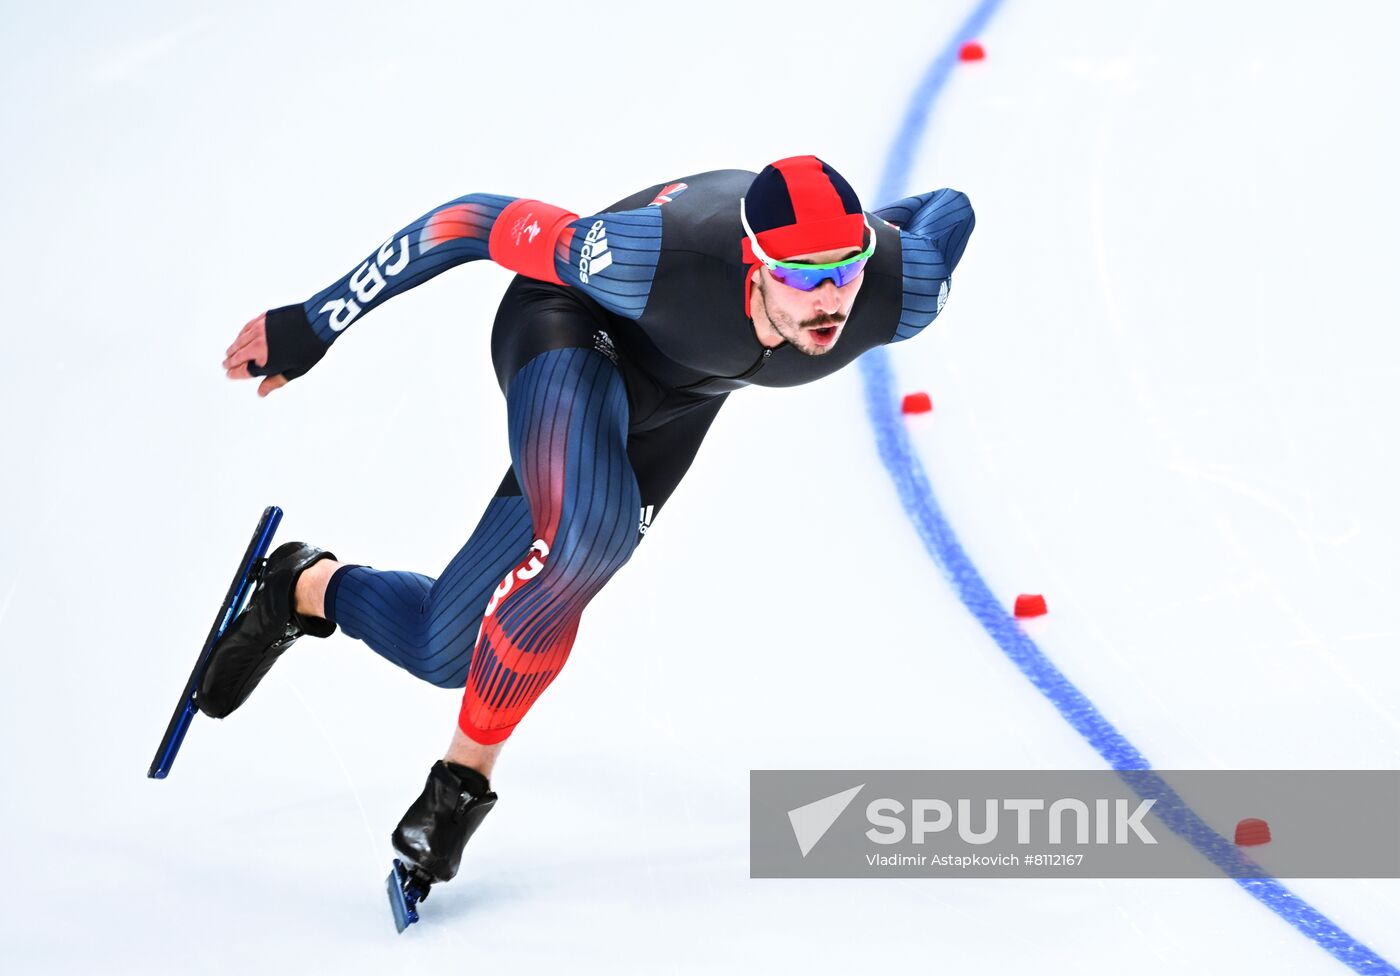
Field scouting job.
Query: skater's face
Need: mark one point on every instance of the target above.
(809, 320)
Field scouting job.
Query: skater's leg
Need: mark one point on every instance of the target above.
(568, 416)
(427, 626)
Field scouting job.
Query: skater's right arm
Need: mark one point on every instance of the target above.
(285, 342)
(533, 238)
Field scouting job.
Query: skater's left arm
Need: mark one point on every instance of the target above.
(933, 230)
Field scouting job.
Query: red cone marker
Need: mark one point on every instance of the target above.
(917, 403)
(1251, 832)
(1030, 605)
(971, 51)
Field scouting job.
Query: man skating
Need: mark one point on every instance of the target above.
(616, 345)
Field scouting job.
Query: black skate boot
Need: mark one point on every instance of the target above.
(436, 828)
(265, 628)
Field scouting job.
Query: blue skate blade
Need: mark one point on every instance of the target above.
(404, 909)
(185, 708)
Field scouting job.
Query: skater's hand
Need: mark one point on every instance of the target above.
(251, 347)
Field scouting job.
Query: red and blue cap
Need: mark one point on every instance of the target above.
(799, 205)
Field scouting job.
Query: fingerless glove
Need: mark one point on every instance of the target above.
(292, 346)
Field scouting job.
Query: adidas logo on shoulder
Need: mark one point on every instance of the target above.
(594, 257)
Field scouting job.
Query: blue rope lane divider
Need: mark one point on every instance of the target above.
(916, 494)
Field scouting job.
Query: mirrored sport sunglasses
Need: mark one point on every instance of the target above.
(806, 277)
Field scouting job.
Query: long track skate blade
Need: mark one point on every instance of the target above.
(403, 902)
(238, 591)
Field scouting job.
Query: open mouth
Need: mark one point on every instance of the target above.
(824, 336)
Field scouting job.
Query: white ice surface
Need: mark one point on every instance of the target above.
(1165, 390)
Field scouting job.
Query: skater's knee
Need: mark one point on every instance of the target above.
(571, 568)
